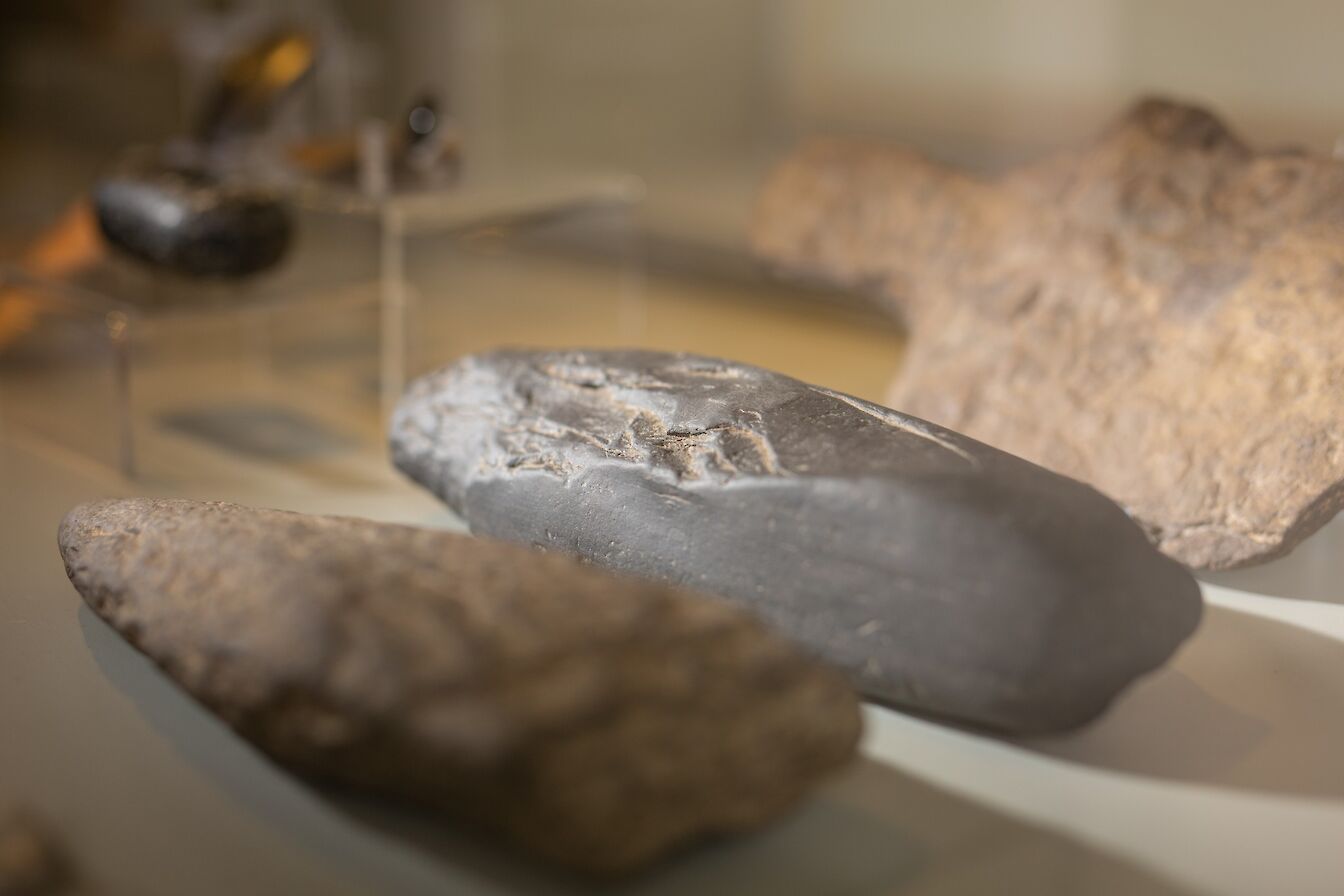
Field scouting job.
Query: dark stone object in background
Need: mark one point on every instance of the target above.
(944, 575)
(183, 219)
(595, 720)
(1158, 313)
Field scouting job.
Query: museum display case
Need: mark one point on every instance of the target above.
(764, 447)
(139, 369)
(143, 366)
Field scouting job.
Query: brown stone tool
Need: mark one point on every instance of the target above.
(1158, 312)
(594, 720)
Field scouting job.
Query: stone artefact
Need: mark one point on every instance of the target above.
(595, 720)
(1158, 313)
(185, 220)
(944, 575)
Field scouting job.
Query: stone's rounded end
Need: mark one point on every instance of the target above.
(1147, 622)
(1024, 603)
(1122, 609)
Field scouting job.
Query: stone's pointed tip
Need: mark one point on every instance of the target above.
(1009, 597)
(75, 526)
(110, 516)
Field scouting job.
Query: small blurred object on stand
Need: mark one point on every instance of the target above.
(242, 78)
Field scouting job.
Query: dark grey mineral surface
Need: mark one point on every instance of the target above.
(184, 220)
(944, 575)
(597, 721)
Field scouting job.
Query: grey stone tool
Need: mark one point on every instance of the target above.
(944, 575)
(595, 720)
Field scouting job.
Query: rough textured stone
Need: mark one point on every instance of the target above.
(184, 220)
(944, 575)
(595, 720)
(1157, 313)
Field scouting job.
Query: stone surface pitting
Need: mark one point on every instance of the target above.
(1157, 313)
(944, 575)
(595, 720)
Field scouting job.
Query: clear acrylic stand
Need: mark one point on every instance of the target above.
(157, 376)
(65, 367)
(448, 220)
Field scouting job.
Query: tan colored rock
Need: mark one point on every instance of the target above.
(594, 720)
(1158, 313)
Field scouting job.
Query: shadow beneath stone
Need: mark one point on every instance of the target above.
(260, 432)
(1249, 704)
(872, 829)
(1314, 571)
(279, 801)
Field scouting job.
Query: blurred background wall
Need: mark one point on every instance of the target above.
(698, 95)
(1020, 73)
(604, 78)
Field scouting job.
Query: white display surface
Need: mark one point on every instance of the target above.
(1223, 773)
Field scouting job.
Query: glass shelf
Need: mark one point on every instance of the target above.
(145, 372)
